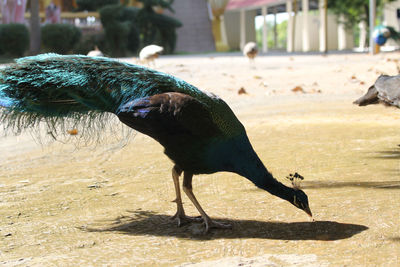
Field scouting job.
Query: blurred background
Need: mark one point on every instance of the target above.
(121, 28)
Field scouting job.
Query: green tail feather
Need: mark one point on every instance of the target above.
(51, 88)
(395, 35)
(64, 91)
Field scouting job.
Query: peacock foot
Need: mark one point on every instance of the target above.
(213, 224)
(183, 219)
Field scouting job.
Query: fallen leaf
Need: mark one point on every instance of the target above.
(242, 91)
(257, 77)
(313, 91)
(298, 89)
(73, 132)
(362, 83)
(354, 79)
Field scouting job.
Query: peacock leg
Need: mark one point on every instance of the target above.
(187, 187)
(180, 213)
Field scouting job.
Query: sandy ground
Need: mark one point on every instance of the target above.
(89, 207)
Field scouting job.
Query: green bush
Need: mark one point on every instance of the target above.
(60, 38)
(128, 28)
(120, 29)
(89, 42)
(129, 14)
(14, 39)
(94, 5)
(157, 28)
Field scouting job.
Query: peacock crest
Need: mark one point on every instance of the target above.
(295, 179)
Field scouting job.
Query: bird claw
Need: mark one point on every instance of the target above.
(183, 219)
(213, 224)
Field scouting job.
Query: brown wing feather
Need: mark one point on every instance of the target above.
(166, 115)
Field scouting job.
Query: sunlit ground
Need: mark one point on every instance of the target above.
(61, 206)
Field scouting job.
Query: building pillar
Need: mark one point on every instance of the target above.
(264, 30)
(342, 40)
(323, 36)
(306, 36)
(275, 29)
(372, 14)
(363, 35)
(223, 33)
(290, 27)
(242, 28)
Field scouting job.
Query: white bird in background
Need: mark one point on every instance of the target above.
(95, 53)
(150, 53)
(250, 50)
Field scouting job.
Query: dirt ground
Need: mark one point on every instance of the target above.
(65, 207)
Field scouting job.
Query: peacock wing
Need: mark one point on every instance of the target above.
(169, 115)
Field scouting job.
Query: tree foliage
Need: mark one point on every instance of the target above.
(121, 33)
(157, 28)
(14, 39)
(166, 4)
(128, 28)
(60, 38)
(93, 5)
(281, 30)
(353, 11)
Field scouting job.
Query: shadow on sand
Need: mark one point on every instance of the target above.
(339, 184)
(151, 223)
(387, 154)
(395, 239)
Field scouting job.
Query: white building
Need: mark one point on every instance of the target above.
(309, 31)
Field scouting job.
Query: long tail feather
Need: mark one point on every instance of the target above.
(395, 35)
(64, 91)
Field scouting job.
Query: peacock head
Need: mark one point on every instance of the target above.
(300, 199)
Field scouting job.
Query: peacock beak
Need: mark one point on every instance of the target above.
(308, 211)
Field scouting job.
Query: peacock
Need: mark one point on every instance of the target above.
(385, 90)
(198, 130)
(383, 33)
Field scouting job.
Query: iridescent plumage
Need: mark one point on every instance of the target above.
(198, 130)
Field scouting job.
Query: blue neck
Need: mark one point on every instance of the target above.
(238, 156)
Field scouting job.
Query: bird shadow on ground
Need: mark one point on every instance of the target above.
(150, 223)
(395, 239)
(389, 153)
(340, 184)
